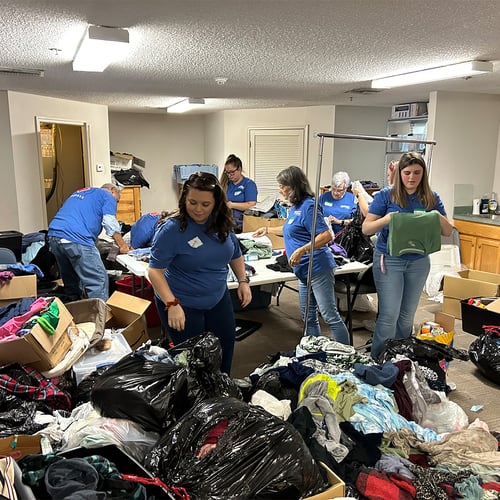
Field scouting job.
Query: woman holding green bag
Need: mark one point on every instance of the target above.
(400, 279)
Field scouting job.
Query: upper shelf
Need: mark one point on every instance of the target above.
(409, 119)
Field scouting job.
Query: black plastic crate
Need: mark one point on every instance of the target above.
(473, 317)
(12, 240)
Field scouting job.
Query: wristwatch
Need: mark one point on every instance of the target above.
(246, 279)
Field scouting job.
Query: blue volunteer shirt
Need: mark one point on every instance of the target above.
(297, 232)
(341, 209)
(195, 262)
(81, 216)
(246, 190)
(143, 230)
(382, 205)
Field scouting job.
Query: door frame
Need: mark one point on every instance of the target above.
(86, 149)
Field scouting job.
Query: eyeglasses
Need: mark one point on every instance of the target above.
(339, 190)
(231, 172)
(202, 180)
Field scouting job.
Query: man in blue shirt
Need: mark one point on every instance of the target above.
(72, 235)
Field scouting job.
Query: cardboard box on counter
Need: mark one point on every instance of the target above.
(38, 349)
(469, 283)
(251, 223)
(18, 288)
(128, 312)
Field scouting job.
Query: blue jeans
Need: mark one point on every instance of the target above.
(81, 269)
(398, 289)
(322, 298)
(219, 321)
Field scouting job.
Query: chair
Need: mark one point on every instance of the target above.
(352, 286)
(7, 256)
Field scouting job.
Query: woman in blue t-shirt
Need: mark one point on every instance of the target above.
(400, 280)
(297, 231)
(189, 265)
(241, 191)
(143, 229)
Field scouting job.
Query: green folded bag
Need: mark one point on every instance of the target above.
(418, 232)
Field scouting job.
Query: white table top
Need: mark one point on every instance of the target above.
(263, 275)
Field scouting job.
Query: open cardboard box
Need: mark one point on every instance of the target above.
(336, 489)
(469, 283)
(128, 312)
(38, 349)
(251, 224)
(18, 288)
(20, 445)
(447, 322)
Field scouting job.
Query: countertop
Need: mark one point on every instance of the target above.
(465, 213)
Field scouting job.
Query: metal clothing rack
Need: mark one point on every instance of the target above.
(322, 136)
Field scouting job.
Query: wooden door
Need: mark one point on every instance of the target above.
(468, 250)
(487, 255)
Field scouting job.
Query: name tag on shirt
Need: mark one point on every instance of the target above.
(237, 193)
(195, 242)
(328, 204)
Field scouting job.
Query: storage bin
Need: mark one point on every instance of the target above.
(260, 299)
(126, 285)
(473, 317)
(12, 240)
(94, 358)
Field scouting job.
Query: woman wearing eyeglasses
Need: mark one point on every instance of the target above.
(241, 191)
(296, 231)
(188, 267)
(339, 204)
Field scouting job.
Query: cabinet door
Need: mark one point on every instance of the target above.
(487, 255)
(468, 250)
(129, 206)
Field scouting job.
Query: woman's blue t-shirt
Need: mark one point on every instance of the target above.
(297, 232)
(382, 205)
(245, 190)
(340, 209)
(195, 262)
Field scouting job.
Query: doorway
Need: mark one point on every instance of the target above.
(64, 162)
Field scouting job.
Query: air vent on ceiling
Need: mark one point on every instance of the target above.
(363, 90)
(22, 72)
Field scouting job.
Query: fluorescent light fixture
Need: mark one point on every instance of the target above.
(185, 105)
(469, 68)
(100, 46)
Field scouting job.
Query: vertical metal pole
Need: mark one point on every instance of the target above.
(313, 233)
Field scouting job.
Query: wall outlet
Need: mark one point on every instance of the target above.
(99, 167)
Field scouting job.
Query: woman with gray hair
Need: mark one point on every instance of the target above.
(339, 204)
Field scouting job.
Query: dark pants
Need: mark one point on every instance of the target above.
(219, 321)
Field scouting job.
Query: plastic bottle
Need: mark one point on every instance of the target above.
(485, 199)
(492, 204)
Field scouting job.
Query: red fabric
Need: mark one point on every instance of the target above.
(419, 459)
(492, 485)
(216, 432)
(376, 485)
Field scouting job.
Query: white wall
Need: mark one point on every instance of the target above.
(23, 192)
(214, 140)
(466, 128)
(362, 160)
(162, 141)
(319, 118)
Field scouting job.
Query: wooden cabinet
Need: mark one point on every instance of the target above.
(479, 245)
(129, 206)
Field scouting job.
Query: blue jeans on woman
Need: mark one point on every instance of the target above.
(399, 288)
(322, 298)
(219, 321)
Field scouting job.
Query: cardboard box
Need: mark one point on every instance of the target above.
(447, 322)
(18, 288)
(470, 283)
(128, 312)
(336, 489)
(39, 349)
(251, 223)
(20, 445)
(473, 317)
(124, 161)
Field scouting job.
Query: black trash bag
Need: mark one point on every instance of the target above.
(17, 416)
(156, 394)
(427, 353)
(253, 455)
(484, 352)
(131, 177)
(357, 245)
